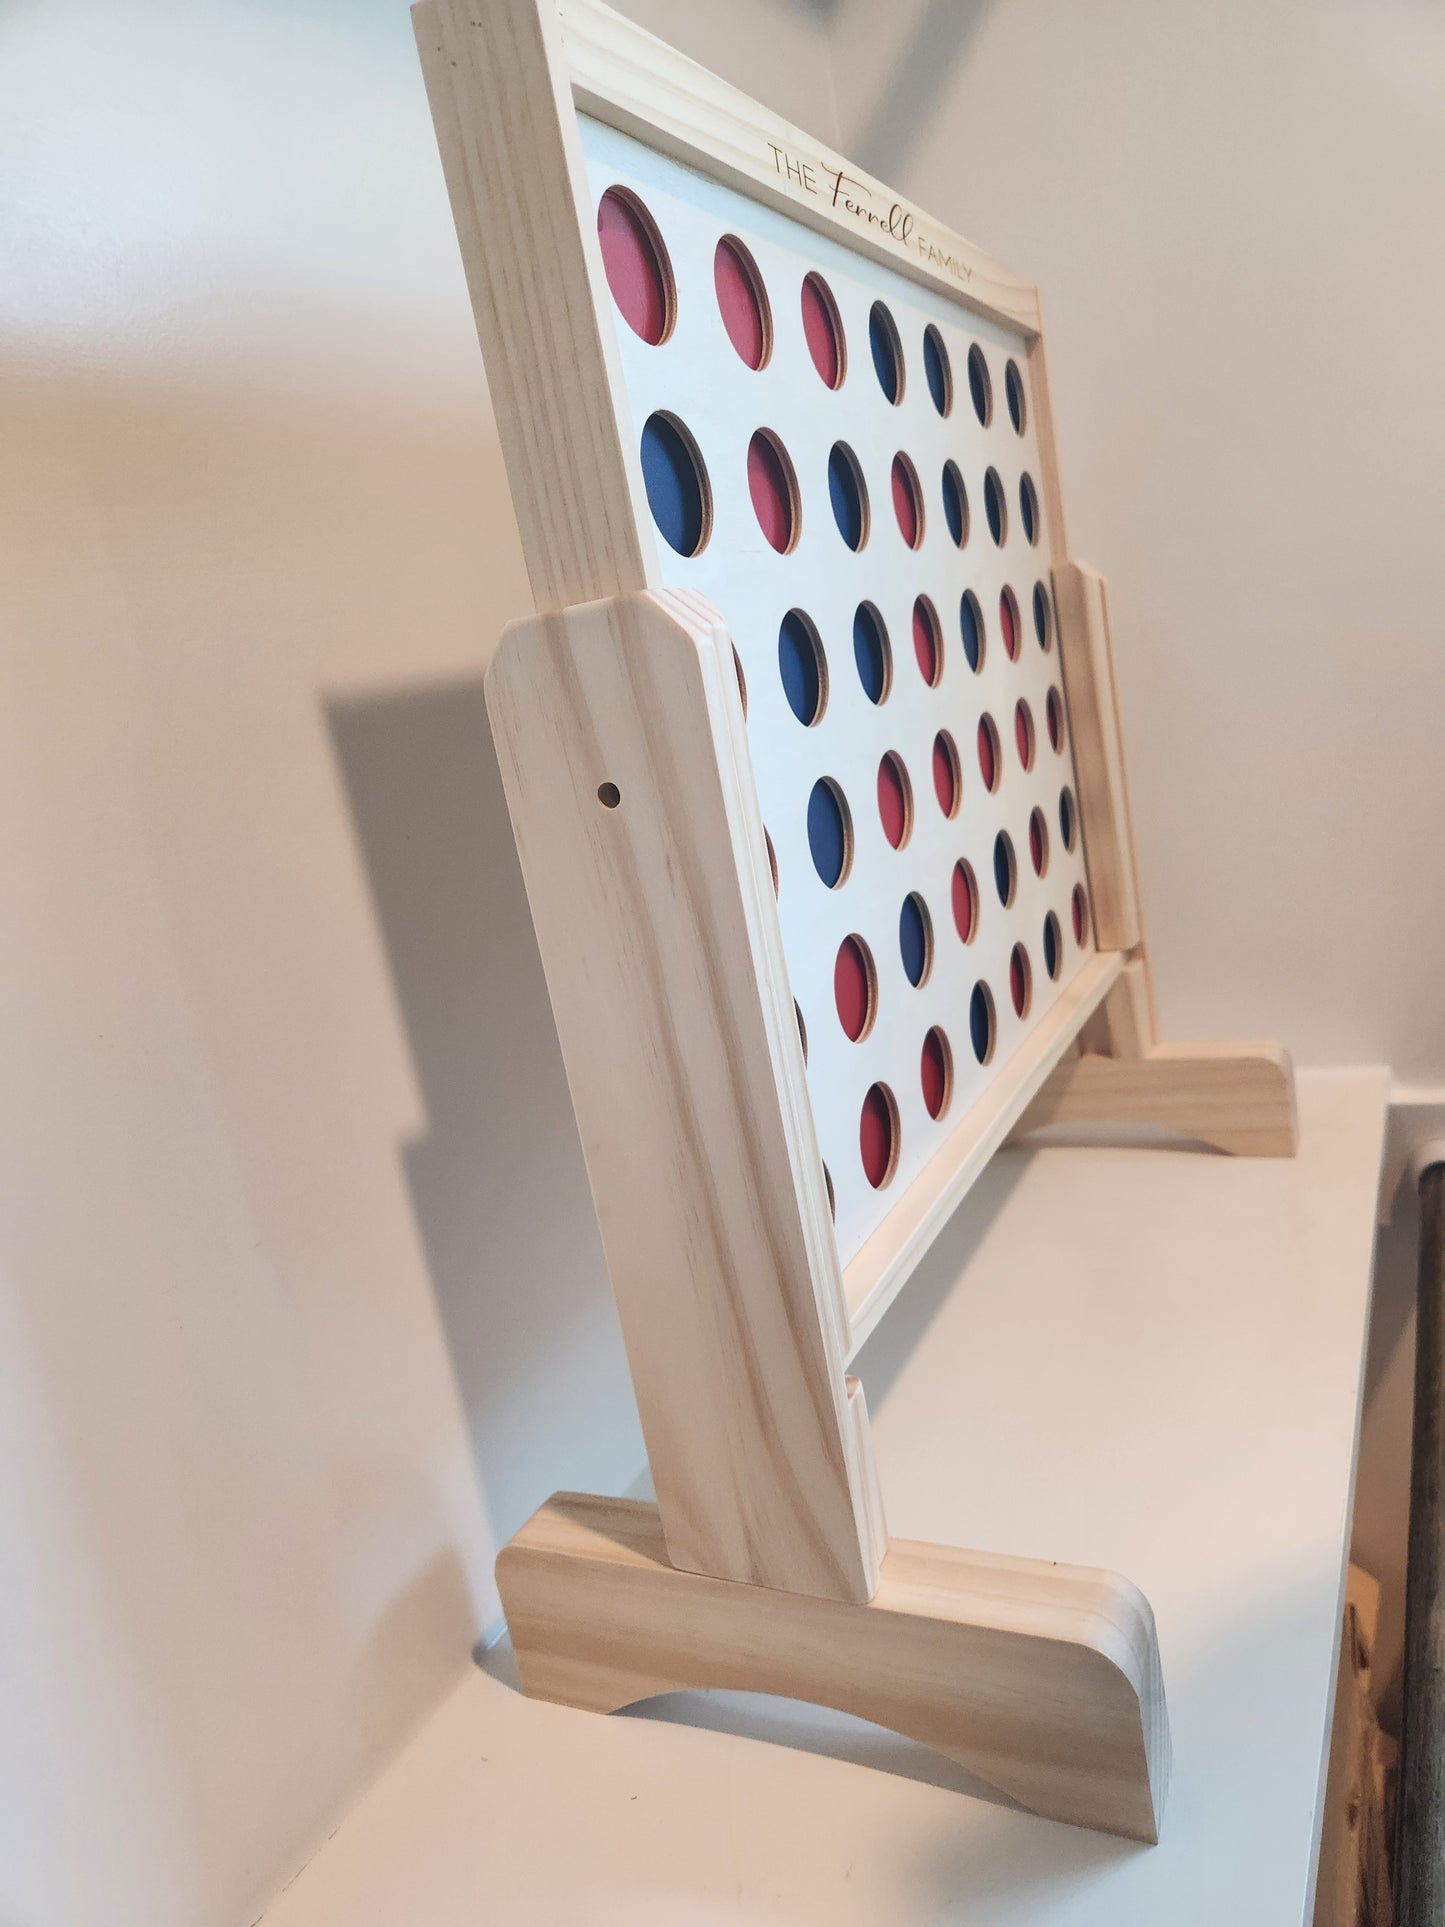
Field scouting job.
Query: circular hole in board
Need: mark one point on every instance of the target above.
(1024, 733)
(990, 756)
(982, 1022)
(608, 795)
(895, 799)
(832, 1198)
(907, 500)
(855, 988)
(947, 773)
(955, 504)
(936, 1073)
(915, 939)
(878, 1135)
(995, 507)
(676, 482)
(830, 832)
(938, 369)
(970, 626)
(1043, 616)
(980, 385)
(802, 1028)
(1038, 842)
(772, 860)
(1066, 817)
(1029, 509)
(823, 331)
(872, 653)
(1005, 868)
(964, 894)
(1079, 909)
(1008, 622)
(1054, 717)
(1053, 946)
(742, 301)
(928, 641)
(848, 493)
(774, 490)
(803, 667)
(887, 352)
(1013, 384)
(1020, 980)
(742, 680)
(636, 263)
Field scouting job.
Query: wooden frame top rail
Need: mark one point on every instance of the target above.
(629, 78)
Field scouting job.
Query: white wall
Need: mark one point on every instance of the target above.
(301, 1306)
(301, 1300)
(1234, 212)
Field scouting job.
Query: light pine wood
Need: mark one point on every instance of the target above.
(634, 81)
(505, 123)
(1238, 1097)
(1042, 1679)
(886, 1262)
(659, 936)
(1087, 654)
(1128, 1012)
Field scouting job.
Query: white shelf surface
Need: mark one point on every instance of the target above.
(1140, 1358)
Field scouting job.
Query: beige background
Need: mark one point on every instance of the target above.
(301, 1306)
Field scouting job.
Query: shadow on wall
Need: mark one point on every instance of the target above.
(910, 95)
(499, 1192)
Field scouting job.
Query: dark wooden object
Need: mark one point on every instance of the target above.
(1420, 1854)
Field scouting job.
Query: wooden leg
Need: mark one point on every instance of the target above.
(1237, 1097)
(1043, 1680)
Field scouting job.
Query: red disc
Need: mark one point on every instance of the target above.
(823, 330)
(934, 1072)
(965, 901)
(635, 267)
(1018, 979)
(1081, 913)
(893, 799)
(1024, 733)
(1008, 621)
(769, 486)
(853, 982)
(925, 640)
(877, 1137)
(988, 752)
(945, 772)
(741, 300)
(905, 500)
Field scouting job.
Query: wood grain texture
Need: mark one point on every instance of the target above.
(1088, 661)
(632, 80)
(659, 935)
(507, 129)
(1042, 1679)
(885, 1263)
(1238, 1097)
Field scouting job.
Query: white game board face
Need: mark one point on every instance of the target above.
(844, 462)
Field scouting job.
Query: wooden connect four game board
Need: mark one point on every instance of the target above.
(847, 466)
(814, 765)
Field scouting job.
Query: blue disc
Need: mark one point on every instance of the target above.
(827, 832)
(672, 476)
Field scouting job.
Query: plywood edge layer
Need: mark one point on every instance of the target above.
(875, 1276)
(627, 77)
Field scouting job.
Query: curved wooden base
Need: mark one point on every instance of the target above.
(1043, 1680)
(1237, 1097)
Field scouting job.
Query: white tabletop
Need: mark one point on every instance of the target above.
(1144, 1359)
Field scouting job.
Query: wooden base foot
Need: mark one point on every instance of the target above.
(1043, 1680)
(1237, 1097)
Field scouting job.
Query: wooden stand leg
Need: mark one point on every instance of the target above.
(1041, 1679)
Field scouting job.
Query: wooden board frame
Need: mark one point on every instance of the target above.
(655, 916)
